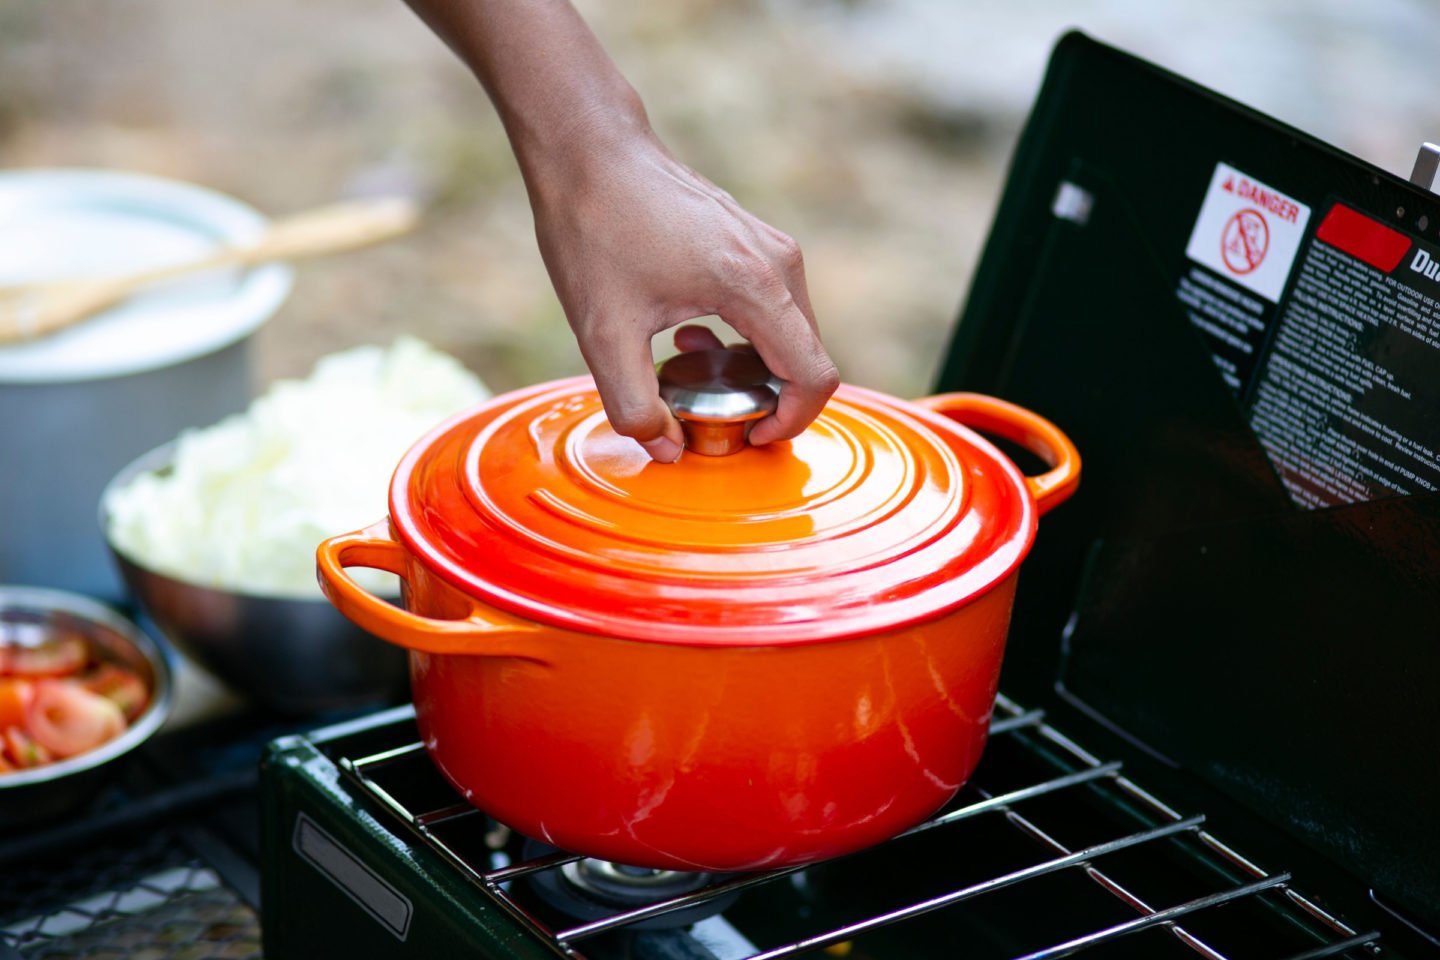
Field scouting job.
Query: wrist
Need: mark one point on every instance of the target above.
(570, 150)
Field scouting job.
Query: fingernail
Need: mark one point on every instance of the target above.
(662, 449)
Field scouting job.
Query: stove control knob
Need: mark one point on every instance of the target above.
(718, 395)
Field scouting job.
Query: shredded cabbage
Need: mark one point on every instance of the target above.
(248, 499)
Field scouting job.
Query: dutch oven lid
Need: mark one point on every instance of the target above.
(879, 515)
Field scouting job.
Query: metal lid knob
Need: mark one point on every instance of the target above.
(717, 395)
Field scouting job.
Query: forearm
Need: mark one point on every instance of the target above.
(555, 88)
(635, 241)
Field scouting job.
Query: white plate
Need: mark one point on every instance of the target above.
(81, 223)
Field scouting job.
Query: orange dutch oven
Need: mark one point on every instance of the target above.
(726, 663)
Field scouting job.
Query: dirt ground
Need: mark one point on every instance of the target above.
(289, 105)
(859, 126)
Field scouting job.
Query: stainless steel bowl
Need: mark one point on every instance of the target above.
(56, 788)
(295, 656)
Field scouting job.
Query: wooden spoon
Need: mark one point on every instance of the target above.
(33, 310)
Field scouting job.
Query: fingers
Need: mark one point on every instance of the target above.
(695, 337)
(683, 248)
(783, 252)
(771, 307)
(808, 377)
(624, 372)
(788, 343)
(799, 290)
(777, 318)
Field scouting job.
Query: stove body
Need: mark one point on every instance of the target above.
(1048, 851)
(1224, 646)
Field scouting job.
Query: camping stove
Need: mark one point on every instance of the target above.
(1049, 850)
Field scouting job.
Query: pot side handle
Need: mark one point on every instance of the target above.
(484, 631)
(1029, 430)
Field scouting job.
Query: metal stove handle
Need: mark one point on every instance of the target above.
(1427, 163)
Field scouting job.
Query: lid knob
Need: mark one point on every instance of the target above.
(717, 395)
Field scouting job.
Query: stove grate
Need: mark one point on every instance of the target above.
(1299, 929)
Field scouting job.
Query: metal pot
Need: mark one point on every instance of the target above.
(626, 659)
(56, 789)
(81, 403)
(295, 655)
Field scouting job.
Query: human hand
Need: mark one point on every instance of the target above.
(636, 243)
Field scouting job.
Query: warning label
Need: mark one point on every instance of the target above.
(1232, 320)
(1340, 374)
(1347, 404)
(1245, 242)
(1248, 232)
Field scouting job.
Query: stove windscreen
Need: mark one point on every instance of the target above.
(1239, 327)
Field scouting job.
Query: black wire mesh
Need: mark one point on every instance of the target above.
(144, 897)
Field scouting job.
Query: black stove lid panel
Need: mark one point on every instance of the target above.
(1234, 323)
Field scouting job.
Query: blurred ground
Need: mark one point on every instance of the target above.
(874, 131)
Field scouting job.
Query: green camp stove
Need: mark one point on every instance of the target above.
(368, 852)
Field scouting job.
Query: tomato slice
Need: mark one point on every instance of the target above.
(22, 751)
(15, 697)
(55, 657)
(120, 685)
(67, 719)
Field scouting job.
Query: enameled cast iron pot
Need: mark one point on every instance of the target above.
(725, 663)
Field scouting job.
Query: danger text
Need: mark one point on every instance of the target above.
(1266, 199)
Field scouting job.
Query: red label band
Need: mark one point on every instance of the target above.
(1363, 238)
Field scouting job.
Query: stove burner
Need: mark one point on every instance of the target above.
(591, 889)
(630, 886)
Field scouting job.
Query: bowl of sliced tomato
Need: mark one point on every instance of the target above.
(80, 687)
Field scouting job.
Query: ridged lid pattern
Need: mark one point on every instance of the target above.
(881, 514)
